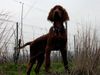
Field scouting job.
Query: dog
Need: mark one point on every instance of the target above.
(55, 39)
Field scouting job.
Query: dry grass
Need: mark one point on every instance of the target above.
(87, 53)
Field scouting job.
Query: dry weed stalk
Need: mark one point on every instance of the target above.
(87, 53)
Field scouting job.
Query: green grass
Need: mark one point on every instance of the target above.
(20, 69)
(11, 69)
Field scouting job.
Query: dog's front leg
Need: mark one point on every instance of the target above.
(64, 57)
(47, 58)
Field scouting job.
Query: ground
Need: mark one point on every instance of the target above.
(20, 69)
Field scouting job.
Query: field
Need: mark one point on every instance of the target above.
(13, 69)
(84, 60)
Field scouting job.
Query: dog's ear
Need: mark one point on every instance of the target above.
(50, 16)
(65, 15)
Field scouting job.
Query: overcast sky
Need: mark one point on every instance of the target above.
(36, 12)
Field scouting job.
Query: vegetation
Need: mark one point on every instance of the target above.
(87, 53)
(13, 69)
(84, 60)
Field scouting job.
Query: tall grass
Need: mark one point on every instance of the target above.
(87, 53)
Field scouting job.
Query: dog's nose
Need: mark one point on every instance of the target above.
(56, 13)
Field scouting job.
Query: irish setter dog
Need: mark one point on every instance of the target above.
(56, 39)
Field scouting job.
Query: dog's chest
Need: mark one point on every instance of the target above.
(57, 43)
(57, 38)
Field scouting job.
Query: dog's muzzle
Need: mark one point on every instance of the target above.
(57, 15)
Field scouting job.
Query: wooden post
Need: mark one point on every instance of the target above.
(16, 46)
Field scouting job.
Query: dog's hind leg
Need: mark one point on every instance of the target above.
(30, 64)
(40, 60)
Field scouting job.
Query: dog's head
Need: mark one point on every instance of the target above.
(58, 13)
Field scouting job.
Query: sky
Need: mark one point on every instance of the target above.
(35, 14)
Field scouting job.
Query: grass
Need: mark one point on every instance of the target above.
(86, 60)
(20, 69)
(87, 53)
(11, 69)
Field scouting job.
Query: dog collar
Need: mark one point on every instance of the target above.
(55, 29)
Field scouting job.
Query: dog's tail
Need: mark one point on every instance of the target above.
(28, 43)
